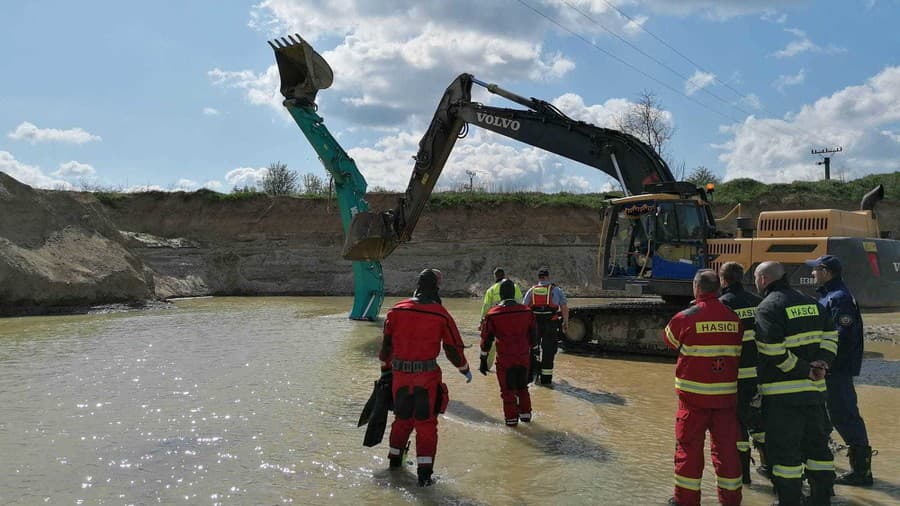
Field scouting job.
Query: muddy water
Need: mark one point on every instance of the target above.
(255, 401)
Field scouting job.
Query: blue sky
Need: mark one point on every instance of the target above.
(183, 95)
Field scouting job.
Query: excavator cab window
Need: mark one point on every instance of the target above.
(679, 240)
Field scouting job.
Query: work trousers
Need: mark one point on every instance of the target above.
(512, 374)
(691, 424)
(415, 407)
(548, 329)
(844, 411)
(797, 440)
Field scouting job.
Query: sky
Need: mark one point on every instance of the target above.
(105, 94)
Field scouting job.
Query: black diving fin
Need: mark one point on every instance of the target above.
(382, 401)
(367, 409)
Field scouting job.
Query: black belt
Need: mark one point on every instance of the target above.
(413, 365)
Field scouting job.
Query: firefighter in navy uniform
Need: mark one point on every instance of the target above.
(744, 303)
(707, 336)
(550, 306)
(840, 305)
(512, 326)
(414, 331)
(797, 343)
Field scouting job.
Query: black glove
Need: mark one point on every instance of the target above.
(483, 366)
(535, 363)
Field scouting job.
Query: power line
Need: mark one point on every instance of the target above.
(658, 62)
(629, 65)
(701, 68)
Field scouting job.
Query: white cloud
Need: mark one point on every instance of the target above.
(213, 184)
(211, 111)
(245, 176)
(784, 81)
(720, 9)
(184, 185)
(29, 174)
(698, 81)
(498, 166)
(778, 150)
(144, 188)
(391, 62)
(774, 16)
(74, 169)
(752, 100)
(802, 44)
(32, 133)
(635, 25)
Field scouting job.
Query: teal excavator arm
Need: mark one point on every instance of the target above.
(303, 72)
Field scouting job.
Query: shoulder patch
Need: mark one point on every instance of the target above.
(845, 320)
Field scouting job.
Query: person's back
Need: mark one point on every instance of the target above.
(512, 326)
(792, 331)
(744, 304)
(707, 337)
(796, 343)
(414, 330)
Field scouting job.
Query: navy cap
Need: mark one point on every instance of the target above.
(543, 271)
(829, 262)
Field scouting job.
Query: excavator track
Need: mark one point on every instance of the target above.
(633, 326)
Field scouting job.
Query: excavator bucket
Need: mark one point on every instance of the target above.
(303, 71)
(370, 237)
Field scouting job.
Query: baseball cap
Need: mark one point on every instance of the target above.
(543, 271)
(830, 262)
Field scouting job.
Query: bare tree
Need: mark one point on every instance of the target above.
(648, 121)
(279, 180)
(313, 184)
(701, 175)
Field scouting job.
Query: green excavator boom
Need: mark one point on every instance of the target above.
(303, 73)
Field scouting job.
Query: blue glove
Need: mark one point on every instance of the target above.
(468, 375)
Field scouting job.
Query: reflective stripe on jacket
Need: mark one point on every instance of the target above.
(792, 330)
(744, 303)
(707, 336)
(542, 300)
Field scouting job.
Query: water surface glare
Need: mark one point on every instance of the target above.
(255, 401)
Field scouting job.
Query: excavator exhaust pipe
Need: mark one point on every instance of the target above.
(303, 71)
(370, 237)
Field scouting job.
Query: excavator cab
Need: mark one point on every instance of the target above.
(654, 243)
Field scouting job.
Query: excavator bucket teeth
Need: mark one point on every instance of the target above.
(370, 237)
(303, 71)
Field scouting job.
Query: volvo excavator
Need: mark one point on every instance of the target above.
(654, 239)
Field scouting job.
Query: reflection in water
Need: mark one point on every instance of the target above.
(255, 401)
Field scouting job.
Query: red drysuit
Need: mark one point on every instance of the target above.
(514, 327)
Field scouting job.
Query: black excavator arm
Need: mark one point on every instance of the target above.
(373, 236)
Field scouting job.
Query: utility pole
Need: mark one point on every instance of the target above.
(827, 159)
(471, 174)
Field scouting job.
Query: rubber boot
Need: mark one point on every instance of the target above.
(425, 476)
(763, 468)
(745, 467)
(819, 494)
(396, 461)
(860, 474)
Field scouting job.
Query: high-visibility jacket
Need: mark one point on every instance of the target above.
(792, 330)
(744, 303)
(707, 336)
(416, 331)
(492, 297)
(542, 300)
